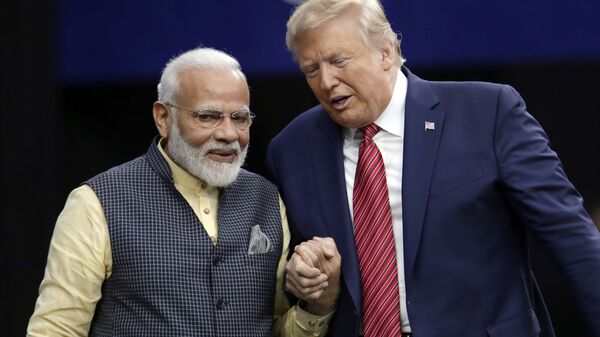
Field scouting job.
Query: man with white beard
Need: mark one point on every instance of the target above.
(180, 241)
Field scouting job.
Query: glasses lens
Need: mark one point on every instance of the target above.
(241, 119)
(209, 119)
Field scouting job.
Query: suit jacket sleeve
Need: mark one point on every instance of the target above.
(547, 203)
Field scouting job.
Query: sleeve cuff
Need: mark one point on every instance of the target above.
(312, 323)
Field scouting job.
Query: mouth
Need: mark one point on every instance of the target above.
(340, 102)
(223, 156)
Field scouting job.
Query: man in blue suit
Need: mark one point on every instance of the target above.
(470, 177)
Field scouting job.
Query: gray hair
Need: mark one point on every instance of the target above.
(199, 58)
(376, 29)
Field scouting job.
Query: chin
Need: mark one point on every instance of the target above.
(350, 122)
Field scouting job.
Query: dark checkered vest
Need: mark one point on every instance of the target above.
(167, 278)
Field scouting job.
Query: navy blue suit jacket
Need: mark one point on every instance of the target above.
(473, 189)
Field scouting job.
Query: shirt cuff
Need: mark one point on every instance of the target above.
(312, 323)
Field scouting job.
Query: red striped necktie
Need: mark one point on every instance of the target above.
(374, 237)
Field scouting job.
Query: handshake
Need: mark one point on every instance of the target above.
(313, 275)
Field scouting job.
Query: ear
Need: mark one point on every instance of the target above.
(162, 118)
(388, 56)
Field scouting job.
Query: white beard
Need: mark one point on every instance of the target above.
(194, 160)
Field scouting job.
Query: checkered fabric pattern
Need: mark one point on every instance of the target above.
(168, 279)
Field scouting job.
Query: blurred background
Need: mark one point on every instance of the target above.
(79, 79)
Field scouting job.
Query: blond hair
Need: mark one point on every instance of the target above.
(375, 27)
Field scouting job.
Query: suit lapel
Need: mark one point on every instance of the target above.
(328, 167)
(422, 131)
(420, 150)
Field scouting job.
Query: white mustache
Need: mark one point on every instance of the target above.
(235, 147)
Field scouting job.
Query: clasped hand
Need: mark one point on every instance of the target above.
(313, 274)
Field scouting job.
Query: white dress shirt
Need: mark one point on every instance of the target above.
(390, 141)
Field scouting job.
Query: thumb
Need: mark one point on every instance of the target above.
(329, 248)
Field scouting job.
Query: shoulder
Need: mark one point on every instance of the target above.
(133, 168)
(252, 188)
(461, 91)
(468, 88)
(305, 123)
(248, 179)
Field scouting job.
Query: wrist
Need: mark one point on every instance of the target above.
(315, 308)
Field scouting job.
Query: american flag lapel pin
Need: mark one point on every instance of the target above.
(429, 126)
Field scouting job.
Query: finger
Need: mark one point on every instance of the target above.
(310, 252)
(305, 292)
(328, 246)
(307, 282)
(297, 266)
(303, 281)
(307, 286)
(307, 296)
(309, 257)
(313, 296)
(310, 245)
(300, 291)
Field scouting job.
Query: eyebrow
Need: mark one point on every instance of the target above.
(332, 55)
(215, 108)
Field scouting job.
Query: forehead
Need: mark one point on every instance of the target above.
(214, 87)
(337, 35)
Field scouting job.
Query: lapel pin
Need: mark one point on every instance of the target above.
(429, 126)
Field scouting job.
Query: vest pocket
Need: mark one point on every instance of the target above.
(257, 263)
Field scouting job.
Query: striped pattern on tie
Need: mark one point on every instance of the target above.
(374, 239)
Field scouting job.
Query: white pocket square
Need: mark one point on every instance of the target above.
(259, 242)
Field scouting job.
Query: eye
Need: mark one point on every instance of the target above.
(340, 61)
(241, 117)
(310, 71)
(208, 116)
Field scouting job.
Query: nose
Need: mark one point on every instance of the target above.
(327, 78)
(226, 131)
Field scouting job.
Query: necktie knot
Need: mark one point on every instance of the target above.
(369, 131)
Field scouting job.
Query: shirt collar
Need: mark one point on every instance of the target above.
(182, 177)
(392, 118)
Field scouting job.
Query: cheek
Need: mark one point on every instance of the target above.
(244, 139)
(195, 136)
(313, 83)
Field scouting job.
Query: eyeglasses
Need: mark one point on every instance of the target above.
(210, 119)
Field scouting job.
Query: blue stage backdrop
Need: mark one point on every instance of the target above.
(130, 40)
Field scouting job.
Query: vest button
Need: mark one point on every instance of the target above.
(220, 304)
(216, 260)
